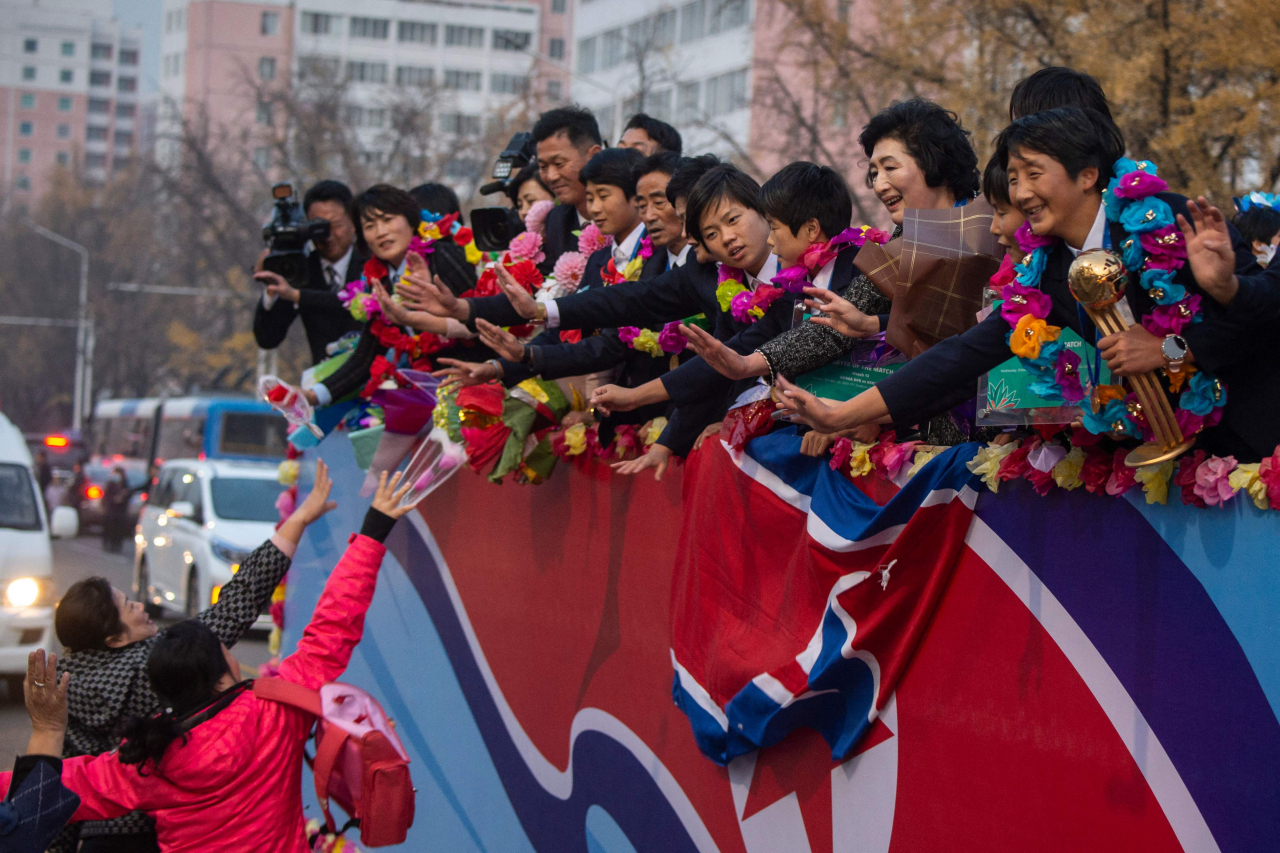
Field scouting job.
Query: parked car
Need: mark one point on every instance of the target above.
(201, 520)
(26, 560)
(97, 471)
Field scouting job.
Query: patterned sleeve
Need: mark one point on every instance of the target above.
(250, 589)
(809, 346)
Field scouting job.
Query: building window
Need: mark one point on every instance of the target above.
(126, 110)
(128, 56)
(365, 117)
(63, 158)
(267, 68)
(555, 48)
(123, 137)
(467, 81)
(64, 104)
(319, 68)
(460, 124)
(727, 15)
(369, 28)
(26, 128)
(66, 75)
(554, 90)
(410, 75)
(99, 78)
(508, 84)
(101, 51)
(95, 134)
(726, 93)
(118, 163)
(28, 101)
(95, 161)
(28, 72)
(64, 131)
(416, 31)
(270, 23)
(693, 21)
(68, 48)
(557, 7)
(23, 182)
(24, 155)
(99, 106)
(29, 46)
(367, 72)
(264, 113)
(318, 23)
(614, 49)
(511, 40)
(127, 84)
(586, 55)
(457, 36)
(262, 157)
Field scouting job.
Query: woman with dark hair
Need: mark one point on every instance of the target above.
(218, 768)
(527, 189)
(388, 220)
(438, 199)
(107, 639)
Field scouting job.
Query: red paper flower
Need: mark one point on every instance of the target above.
(1186, 478)
(1096, 471)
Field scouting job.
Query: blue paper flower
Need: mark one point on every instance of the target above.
(1203, 393)
(1114, 417)
(1124, 166)
(1148, 214)
(1159, 283)
(1047, 388)
(1112, 203)
(1031, 268)
(1131, 252)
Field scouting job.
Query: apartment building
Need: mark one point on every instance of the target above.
(69, 81)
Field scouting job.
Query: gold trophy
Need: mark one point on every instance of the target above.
(1097, 279)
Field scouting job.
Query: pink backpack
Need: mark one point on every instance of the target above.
(360, 763)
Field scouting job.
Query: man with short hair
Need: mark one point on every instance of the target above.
(334, 262)
(566, 138)
(650, 136)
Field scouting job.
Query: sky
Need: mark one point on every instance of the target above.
(144, 13)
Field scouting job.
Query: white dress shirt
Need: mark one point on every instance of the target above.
(1096, 233)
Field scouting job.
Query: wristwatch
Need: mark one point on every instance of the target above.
(540, 313)
(1174, 350)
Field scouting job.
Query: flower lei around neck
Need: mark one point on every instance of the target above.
(795, 279)
(1154, 250)
(630, 272)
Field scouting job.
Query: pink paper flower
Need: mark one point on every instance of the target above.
(671, 339)
(1004, 275)
(1020, 300)
(898, 456)
(1190, 423)
(1041, 481)
(792, 279)
(1269, 473)
(1172, 319)
(1166, 248)
(874, 235)
(1140, 184)
(840, 452)
(1211, 480)
(627, 334)
(1123, 478)
(741, 305)
(569, 269)
(536, 218)
(724, 273)
(1028, 240)
(527, 247)
(591, 240)
(1067, 372)
(646, 247)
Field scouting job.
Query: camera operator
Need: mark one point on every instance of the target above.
(566, 138)
(335, 261)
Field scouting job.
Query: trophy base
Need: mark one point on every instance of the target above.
(1153, 454)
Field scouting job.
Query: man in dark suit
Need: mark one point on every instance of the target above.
(334, 262)
(566, 138)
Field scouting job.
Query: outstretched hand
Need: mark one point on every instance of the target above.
(715, 353)
(657, 459)
(1209, 250)
(500, 340)
(394, 311)
(421, 291)
(839, 313)
(317, 503)
(464, 373)
(390, 493)
(613, 398)
(46, 698)
(800, 405)
(521, 300)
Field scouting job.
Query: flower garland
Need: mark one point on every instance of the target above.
(795, 279)
(631, 272)
(1155, 249)
(669, 341)
(746, 306)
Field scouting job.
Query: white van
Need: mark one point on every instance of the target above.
(27, 593)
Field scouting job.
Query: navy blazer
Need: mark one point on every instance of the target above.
(1250, 429)
(558, 236)
(324, 317)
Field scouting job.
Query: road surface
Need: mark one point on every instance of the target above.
(81, 558)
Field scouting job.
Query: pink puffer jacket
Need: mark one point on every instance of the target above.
(236, 784)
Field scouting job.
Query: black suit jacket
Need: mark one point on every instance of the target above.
(323, 316)
(933, 382)
(558, 236)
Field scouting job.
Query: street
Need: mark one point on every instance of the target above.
(81, 558)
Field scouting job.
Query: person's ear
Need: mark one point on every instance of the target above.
(813, 231)
(1087, 180)
(117, 641)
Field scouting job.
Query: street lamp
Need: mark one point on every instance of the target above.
(84, 363)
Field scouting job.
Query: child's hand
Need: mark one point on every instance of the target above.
(387, 499)
(317, 503)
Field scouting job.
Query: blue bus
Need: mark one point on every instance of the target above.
(206, 427)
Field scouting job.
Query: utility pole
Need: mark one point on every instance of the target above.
(84, 365)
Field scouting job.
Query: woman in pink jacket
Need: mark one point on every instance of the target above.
(219, 769)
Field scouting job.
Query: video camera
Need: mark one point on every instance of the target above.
(287, 235)
(495, 227)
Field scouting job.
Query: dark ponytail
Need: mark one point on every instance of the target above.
(184, 667)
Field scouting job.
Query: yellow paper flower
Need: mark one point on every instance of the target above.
(656, 426)
(647, 341)
(473, 254)
(575, 439)
(287, 472)
(631, 272)
(860, 463)
(726, 291)
(1030, 333)
(428, 231)
(920, 460)
(534, 390)
(1245, 477)
(273, 641)
(1067, 472)
(1155, 481)
(986, 463)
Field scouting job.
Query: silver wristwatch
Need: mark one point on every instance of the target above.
(1174, 350)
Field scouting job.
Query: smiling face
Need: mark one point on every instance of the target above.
(1005, 222)
(661, 221)
(899, 183)
(387, 235)
(133, 616)
(736, 235)
(1052, 201)
(559, 162)
(788, 246)
(611, 210)
(531, 192)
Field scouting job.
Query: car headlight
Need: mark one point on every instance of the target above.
(24, 592)
(228, 553)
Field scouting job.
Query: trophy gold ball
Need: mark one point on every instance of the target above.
(1097, 278)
